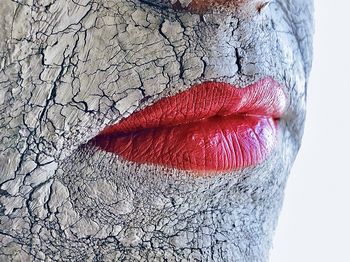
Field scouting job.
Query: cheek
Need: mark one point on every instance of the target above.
(293, 22)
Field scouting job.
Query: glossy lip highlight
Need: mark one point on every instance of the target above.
(212, 126)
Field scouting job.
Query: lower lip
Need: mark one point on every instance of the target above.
(214, 144)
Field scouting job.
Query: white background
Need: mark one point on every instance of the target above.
(314, 225)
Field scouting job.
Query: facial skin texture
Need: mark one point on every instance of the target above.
(70, 68)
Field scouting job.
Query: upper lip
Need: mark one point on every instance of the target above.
(264, 98)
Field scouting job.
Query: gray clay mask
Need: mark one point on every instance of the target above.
(70, 70)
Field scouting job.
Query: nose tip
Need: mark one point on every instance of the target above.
(201, 6)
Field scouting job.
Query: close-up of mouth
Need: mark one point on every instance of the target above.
(212, 126)
(167, 130)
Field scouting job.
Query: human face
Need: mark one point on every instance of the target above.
(70, 70)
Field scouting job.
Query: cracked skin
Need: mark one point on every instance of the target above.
(68, 69)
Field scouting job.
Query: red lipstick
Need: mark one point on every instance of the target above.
(212, 126)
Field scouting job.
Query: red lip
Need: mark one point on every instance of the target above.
(210, 127)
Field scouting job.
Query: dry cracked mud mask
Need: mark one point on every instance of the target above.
(109, 110)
